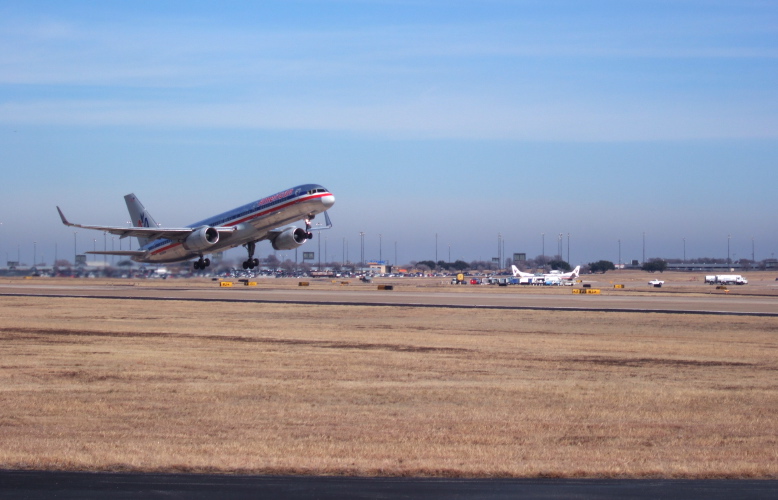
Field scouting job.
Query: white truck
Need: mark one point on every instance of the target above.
(726, 279)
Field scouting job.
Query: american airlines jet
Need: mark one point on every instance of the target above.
(264, 219)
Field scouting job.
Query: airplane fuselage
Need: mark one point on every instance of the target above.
(252, 222)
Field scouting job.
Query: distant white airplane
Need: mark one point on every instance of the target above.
(555, 275)
(247, 225)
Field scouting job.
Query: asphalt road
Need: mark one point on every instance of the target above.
(34, 485)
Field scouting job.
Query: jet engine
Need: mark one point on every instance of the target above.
(201, 239)
(290, 239)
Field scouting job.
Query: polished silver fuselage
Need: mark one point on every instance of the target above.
(252, 222)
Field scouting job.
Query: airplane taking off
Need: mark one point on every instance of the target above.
(553, 274)
(247, 225)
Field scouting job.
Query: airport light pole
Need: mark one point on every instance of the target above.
(34, 253)
(436, 250)
(362, 248)
(499, 250)
(619, 253)
(729, 262)
(684, 250)
(543, 245)
(380, 247)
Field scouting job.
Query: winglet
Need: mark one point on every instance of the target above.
(62, 216)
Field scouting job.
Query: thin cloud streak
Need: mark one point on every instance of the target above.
(439, 117)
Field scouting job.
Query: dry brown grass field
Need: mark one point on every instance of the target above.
(92, 384)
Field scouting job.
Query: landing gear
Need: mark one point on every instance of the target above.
(308, 233)
(202, 263)
(251, 262)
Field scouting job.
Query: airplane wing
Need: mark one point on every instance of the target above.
(170, 233)
(126, 253)
(318, 227)
(327, 224)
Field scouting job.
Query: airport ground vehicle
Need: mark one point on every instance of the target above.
(531, 280)
(726, 279)
(656, 283)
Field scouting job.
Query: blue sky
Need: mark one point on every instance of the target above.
(601, 119)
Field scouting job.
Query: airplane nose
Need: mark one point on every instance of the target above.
(328, 200)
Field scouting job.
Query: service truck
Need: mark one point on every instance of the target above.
(726, 279)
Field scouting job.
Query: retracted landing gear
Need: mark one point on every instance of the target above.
(251, 262)
(202, 263)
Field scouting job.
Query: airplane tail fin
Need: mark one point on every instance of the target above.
(517, 272)
(572, 274)
(140, 217)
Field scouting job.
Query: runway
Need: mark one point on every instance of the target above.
(33, 485)
(369, 295)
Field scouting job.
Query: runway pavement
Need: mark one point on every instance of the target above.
(34, 485)
(511, 298)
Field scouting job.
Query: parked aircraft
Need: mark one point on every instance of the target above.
(553, 275)
(264, 219)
